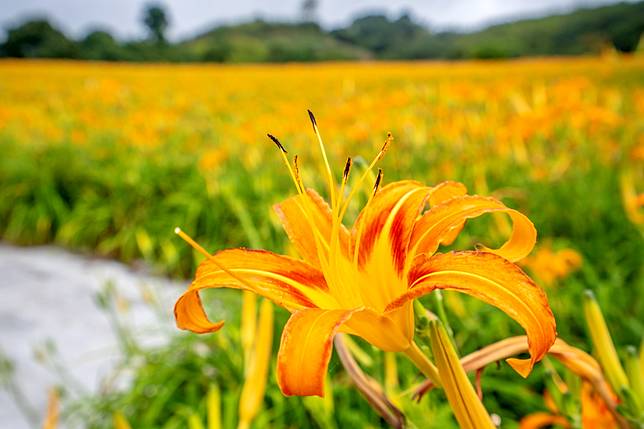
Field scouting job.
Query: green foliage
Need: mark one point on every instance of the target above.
(380, 35)
(100, 45)
(583, 31)
(38, 39)
(168, 385)
(260, 41)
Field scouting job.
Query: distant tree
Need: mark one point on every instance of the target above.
(385, 37)
(100, 45)
(157, 22)
(626, 35)
(38, 39)
(309, 9)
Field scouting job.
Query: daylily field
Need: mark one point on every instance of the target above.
(108, 159)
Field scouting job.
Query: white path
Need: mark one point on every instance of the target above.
(49, 294)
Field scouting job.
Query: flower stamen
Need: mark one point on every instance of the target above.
(210, 257)
(362, 178)
(329, 174)
(283, 152)
(294, 172)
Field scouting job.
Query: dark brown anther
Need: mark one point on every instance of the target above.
(378, 180)
(347, 169)
(296, 168)
(312, 118)
(388, 141)
(277, 142)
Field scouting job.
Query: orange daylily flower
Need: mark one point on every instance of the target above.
(550, 266)
(363, 280)
(595, 413)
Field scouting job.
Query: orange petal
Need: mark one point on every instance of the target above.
(305, 350)
(445, 191)
(301, 215)
(437, 226)
(496, 281)
(542, 420)
(595, 413)
(441, 193)
(286, 281)
(390, 216)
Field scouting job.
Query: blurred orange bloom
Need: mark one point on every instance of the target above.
(549, 265)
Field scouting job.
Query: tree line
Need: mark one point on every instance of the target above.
(374, 36)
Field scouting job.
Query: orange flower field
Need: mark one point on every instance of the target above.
(487, 213)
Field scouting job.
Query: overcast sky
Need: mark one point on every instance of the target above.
(191, 16)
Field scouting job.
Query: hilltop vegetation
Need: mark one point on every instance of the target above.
(260, 41)
(586, 31)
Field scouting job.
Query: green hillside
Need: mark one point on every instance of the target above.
(260, 41)
(585, 31)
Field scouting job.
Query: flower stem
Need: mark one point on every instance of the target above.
(423, 363)
(437, 297)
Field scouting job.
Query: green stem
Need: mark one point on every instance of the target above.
(437, 297)
(423, 363)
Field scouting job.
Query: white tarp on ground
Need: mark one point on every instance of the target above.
(49, 294)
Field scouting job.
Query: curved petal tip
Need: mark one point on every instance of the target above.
(521, 366)
(190, 315)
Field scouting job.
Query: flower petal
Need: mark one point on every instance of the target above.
(305, 350)
(496, 281)
(286, 281)
(384, 226)
(392, 333)
(445, 191)
(441, 193)
(437, 226)
(301, 216)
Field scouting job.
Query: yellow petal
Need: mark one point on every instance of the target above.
(286, 281)
(389, 333)
(496, 281)
(301, 215)
(437, 226)
(305, 350)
